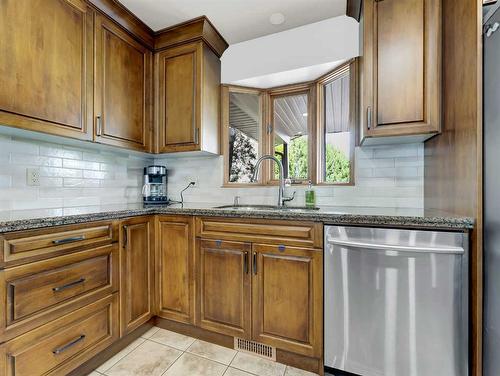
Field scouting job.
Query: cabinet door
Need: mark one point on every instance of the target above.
(46, 66)
(174, 268)
(224, 287)
(288, 298)
(136, 273)
(401, 67)
(123, 88)
(178, 85)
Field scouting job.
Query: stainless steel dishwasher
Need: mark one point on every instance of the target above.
(396, 302)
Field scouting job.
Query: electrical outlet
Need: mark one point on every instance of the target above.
(33, 177)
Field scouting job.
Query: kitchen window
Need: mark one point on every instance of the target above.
(309, 127)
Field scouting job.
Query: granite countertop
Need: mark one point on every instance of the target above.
(34, 219)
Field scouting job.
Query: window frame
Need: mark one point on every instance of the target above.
(352, 67)
(225, 92)
(307, 88)
(315, 125)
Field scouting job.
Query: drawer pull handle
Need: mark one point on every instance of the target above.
(67, 286)
(69, 240)
(65, 347)
(255, 263)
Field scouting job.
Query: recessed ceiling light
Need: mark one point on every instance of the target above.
(277, 18)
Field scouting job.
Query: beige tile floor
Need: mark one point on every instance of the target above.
(160, 352)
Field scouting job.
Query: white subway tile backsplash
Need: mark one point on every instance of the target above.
(5, 181)
(393, 151)
(386, 176)
(76, 180)
(81, 183)
(57, 151)
(35, 160)
(40, 203)
(70, 177)
(82, 165)
(60, 172)
(98, 174)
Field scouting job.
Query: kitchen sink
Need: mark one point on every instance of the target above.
(266, 207)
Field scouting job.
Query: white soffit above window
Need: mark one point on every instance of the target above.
(289, 77)
(236, 20)
(291, 56)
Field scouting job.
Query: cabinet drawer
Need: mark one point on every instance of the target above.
(64, 344)
(37, 292)
(307, 234)
(25, 246)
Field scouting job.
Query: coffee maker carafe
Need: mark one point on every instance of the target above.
(154, 190)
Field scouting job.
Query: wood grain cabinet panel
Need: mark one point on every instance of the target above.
(136, 287)
(62, 345)
(21, 247)
(46, 71)
(224, 287)
(305, 234)
(401, 78)
(41, 291)
(175, 268)
(187, 80)
(123, 88)
(287, 298)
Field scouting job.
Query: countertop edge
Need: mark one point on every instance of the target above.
(424, 222)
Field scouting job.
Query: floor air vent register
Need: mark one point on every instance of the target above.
(255, 348)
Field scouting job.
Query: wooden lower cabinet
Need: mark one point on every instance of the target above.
(224, 290)
(136, 272)
(37, 293)
(287, 305)
(175, 290)
(269, 293)
(63, 344)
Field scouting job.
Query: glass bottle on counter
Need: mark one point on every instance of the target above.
(310, 196)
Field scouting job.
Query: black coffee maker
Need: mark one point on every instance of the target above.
(154, 190)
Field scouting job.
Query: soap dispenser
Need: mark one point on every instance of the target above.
(310, 196)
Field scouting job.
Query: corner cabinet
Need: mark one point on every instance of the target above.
(175, 292)
(187, 91)
(136, 273)
(46, 66)
(401, 69)
(123, 88)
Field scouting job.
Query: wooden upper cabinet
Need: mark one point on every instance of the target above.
(46, 66)
(136, 273)
(401, 68)
(288, 279)
(175, 268)
(187, 79)
(123, 88)
(224, 287)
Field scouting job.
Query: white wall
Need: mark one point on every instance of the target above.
(332, 40)
(386, 176)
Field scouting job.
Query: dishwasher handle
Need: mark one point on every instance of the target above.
(399, 248)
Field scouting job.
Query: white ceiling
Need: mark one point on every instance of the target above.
(236, 20)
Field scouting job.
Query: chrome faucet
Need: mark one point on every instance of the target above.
(281, 192)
